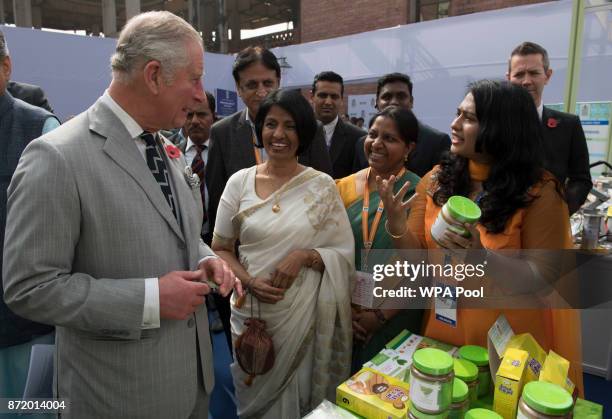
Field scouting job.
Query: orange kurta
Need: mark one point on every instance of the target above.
(544, 224)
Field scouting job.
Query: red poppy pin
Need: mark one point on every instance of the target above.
(173, 151)
(552, 123)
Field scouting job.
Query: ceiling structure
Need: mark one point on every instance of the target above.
(204, 15)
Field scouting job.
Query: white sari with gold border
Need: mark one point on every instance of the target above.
(311, 326)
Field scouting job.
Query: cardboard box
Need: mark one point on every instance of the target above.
(374, 395)
(388, 362)
(584, 409)
(527, 343)
(509, 382)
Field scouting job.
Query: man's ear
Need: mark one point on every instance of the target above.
(153, 76)
(6, 68)
(548, 73)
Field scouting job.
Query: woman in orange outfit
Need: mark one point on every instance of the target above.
(495, 160)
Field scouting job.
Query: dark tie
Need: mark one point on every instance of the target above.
(199, 168)
(158, 168)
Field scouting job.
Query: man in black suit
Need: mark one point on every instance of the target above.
(326, 97)
(256, 72)
(565, 147)
(396, 89)
(29, 93)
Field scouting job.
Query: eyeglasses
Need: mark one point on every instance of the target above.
(254, 85)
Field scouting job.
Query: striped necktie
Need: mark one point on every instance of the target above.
(157, 165)
(199, 168)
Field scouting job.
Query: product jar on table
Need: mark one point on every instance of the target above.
(457, 211)
(431, 381)
(460, 400)
(480, 357)
(467, 372)
(542, 400)
(482, 414)
(414, 413)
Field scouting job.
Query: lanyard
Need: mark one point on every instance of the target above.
(368, 236)
(256, 149)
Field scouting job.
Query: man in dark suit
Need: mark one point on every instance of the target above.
(326, 97)
(29, 93)
(396, 89)
(565, 147)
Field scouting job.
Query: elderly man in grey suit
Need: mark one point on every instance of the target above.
(103, 238)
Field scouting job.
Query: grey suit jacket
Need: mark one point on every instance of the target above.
(86, 223)
(232, 150)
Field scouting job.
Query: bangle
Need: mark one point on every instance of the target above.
(247, 285)
(393, 235)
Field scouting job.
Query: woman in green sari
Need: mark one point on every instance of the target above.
(391, 138)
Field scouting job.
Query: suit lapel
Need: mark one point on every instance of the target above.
(123, 151)
(243, 144)
(337, 142)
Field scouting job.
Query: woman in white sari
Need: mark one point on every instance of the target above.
(296, 261)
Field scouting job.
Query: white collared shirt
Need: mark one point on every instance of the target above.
(329, 131)
(190, 154)
(540, 110)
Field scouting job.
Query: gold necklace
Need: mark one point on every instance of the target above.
(279, 192)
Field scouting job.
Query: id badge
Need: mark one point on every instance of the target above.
(446, 304)
(363, 293)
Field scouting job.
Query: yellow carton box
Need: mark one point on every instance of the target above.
(509, 382)
(527, 343)
(374, 395)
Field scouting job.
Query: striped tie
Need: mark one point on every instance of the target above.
(158, 167)
(199, 168)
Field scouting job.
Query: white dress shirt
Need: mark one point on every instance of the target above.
(329, 131)
(262, 150)
(540, 110)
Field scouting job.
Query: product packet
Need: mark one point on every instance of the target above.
(509, 382)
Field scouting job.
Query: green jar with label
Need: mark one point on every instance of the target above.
(457, 211)
(431, 381)
(482, 414)
(542, 400)
(480, 357)
(460, 401)
(467, 372)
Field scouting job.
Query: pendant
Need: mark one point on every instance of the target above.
(275, 208)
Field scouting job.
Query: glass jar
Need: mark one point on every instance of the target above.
(542, 400)
(460, 400)
(431, 381)
(467, 371)
(454, 213)
(482, 414)
(480, 357)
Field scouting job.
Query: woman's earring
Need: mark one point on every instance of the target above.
(406, 157)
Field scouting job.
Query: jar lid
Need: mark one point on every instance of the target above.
(460, 390)
(547, 398)
(421, 415)
(466, 370)
(432, 361)
(477, 354)
(463, 209)
(481, 414)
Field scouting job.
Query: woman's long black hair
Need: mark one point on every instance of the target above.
(511, 136)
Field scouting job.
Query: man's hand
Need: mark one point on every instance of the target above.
(180, 294)
(217, 270)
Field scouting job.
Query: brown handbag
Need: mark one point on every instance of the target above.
(254, 347)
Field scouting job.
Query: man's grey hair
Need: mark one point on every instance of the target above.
(160, 36)
(4, 52)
